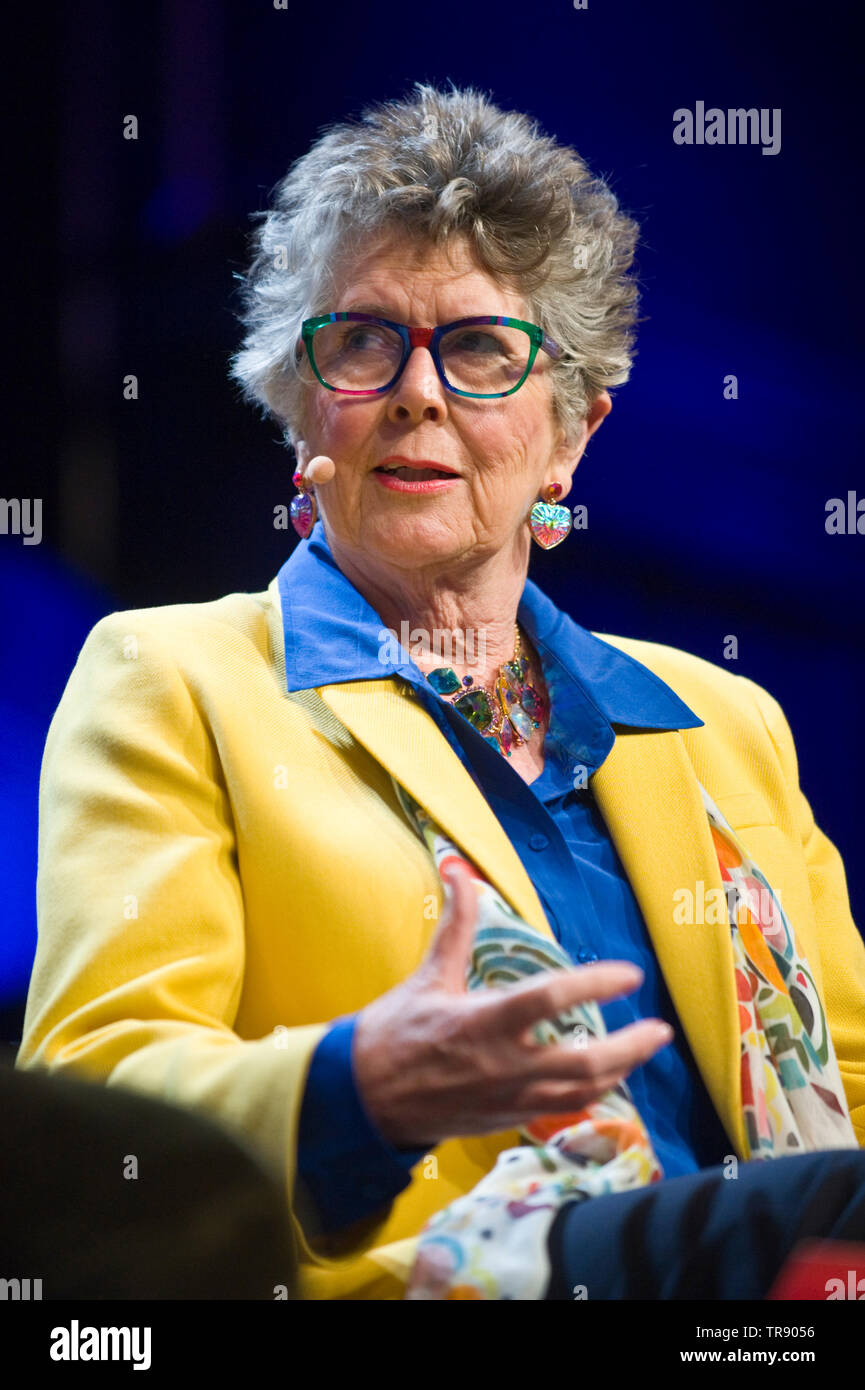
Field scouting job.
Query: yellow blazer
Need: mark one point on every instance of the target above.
(223, 869)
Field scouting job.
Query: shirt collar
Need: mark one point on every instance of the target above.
(333, 635)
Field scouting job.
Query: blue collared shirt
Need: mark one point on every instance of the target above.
(332, 635)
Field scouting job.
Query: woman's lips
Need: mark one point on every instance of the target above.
(406, 479)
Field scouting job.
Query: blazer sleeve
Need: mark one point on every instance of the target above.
(842, 950)
(140, 958)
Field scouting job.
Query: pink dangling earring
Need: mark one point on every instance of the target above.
(548, 522)
(304, 509)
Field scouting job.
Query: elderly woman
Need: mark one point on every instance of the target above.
(254, 810)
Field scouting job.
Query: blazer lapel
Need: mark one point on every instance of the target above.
(401, 736)
(649, 797)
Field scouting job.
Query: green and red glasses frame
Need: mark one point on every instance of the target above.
(429, 338)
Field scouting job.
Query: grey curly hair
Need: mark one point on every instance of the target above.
(435, 164)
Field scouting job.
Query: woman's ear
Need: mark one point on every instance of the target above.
(597, 413)
(568, 453)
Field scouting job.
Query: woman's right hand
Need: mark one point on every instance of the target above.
(433, 1059)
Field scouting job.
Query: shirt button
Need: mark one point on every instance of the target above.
(538, 841)
(585, 955)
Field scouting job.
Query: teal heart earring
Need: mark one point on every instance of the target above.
(550, 523)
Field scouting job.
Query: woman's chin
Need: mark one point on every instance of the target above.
(417, 540)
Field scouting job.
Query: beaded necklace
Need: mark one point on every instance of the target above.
(508, 713)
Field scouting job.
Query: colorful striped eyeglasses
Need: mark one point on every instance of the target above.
(485, 356)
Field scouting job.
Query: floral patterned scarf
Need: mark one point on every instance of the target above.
(492, 1242)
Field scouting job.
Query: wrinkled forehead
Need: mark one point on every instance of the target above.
(409, 278)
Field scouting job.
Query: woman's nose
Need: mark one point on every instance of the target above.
(419, 390)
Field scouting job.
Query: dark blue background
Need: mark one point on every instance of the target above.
(706, 516)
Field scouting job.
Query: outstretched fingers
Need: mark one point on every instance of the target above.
(518, 1007)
